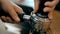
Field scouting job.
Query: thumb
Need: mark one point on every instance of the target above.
(18, 9)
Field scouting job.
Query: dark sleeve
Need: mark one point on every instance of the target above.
(58, 6)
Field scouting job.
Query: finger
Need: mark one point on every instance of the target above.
(36, 4)
(47, 9)
(55, 1)
(50, 15)
(50, 10)
(51, 4)
(3, 18)
(14, 15)
(9, 19)
(18, 10)
(16, 7)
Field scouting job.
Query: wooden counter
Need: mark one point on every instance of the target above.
(55, 25)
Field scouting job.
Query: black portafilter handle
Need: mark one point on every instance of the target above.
(41, 7)
(21, 16)
(24, 17)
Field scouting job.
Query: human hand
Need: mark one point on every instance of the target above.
(49, 7)
(12, 10)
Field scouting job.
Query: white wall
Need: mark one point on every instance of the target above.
(26, 2)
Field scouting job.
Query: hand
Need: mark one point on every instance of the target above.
(12, 10)
(50, 7)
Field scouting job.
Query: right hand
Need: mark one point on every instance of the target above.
(12, 10)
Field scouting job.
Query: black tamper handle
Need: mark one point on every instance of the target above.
(41, 7)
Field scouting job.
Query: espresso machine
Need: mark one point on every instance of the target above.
(33, 23)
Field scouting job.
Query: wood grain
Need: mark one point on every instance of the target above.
(55, 25)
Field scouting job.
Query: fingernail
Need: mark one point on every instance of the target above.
(17, 19)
